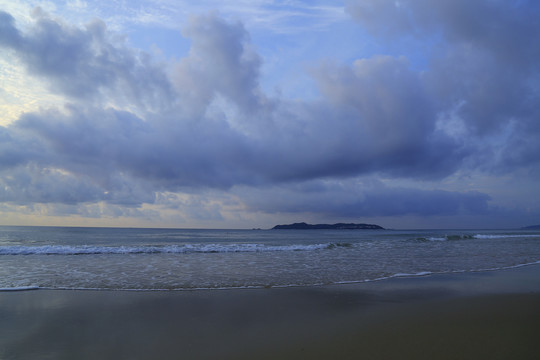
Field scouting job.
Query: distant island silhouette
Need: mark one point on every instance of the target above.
(532, 227)
(338, 226)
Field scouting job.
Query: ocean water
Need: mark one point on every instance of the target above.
(179, 259)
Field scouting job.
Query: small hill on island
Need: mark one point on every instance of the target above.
(338, 226)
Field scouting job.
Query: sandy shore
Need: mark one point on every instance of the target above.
(487, 315)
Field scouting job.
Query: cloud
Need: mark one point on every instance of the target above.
(85, 63)
(220, 60)
(483, 63)
(42, 185)
(289, 17)
(260, 140)
(367, 198)
(132, 129)
(394, 118)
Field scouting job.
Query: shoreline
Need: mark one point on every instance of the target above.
(403, 317)
(421, 274)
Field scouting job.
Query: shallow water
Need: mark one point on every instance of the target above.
(176, 259)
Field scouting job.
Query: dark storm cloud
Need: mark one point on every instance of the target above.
(205, 122)
(484, 63)
(394, 118)
(100, 145)
(43, 185)
(368, 199)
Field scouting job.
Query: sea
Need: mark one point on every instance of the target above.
(134, 259)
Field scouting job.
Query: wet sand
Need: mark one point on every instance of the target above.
(486, 315)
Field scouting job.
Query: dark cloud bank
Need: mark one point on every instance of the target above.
(132, 127)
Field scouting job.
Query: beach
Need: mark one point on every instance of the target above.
(481, 315)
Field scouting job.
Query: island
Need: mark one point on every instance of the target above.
(338, 226)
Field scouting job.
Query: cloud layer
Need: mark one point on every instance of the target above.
(133, 128)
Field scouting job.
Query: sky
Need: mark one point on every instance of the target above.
(243, 114)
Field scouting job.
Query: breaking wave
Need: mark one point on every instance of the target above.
(455, 237)
(169, 249)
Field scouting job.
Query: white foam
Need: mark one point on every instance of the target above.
(477, 236)
(502, 236)
(171, 249)
(436, 238)
(20, 288)
(420, 273)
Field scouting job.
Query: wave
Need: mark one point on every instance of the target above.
(455, 237)
(260, 286)
(429, 273)
(170, 249)
(20, 288)
(503, 236)
(444, 238)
